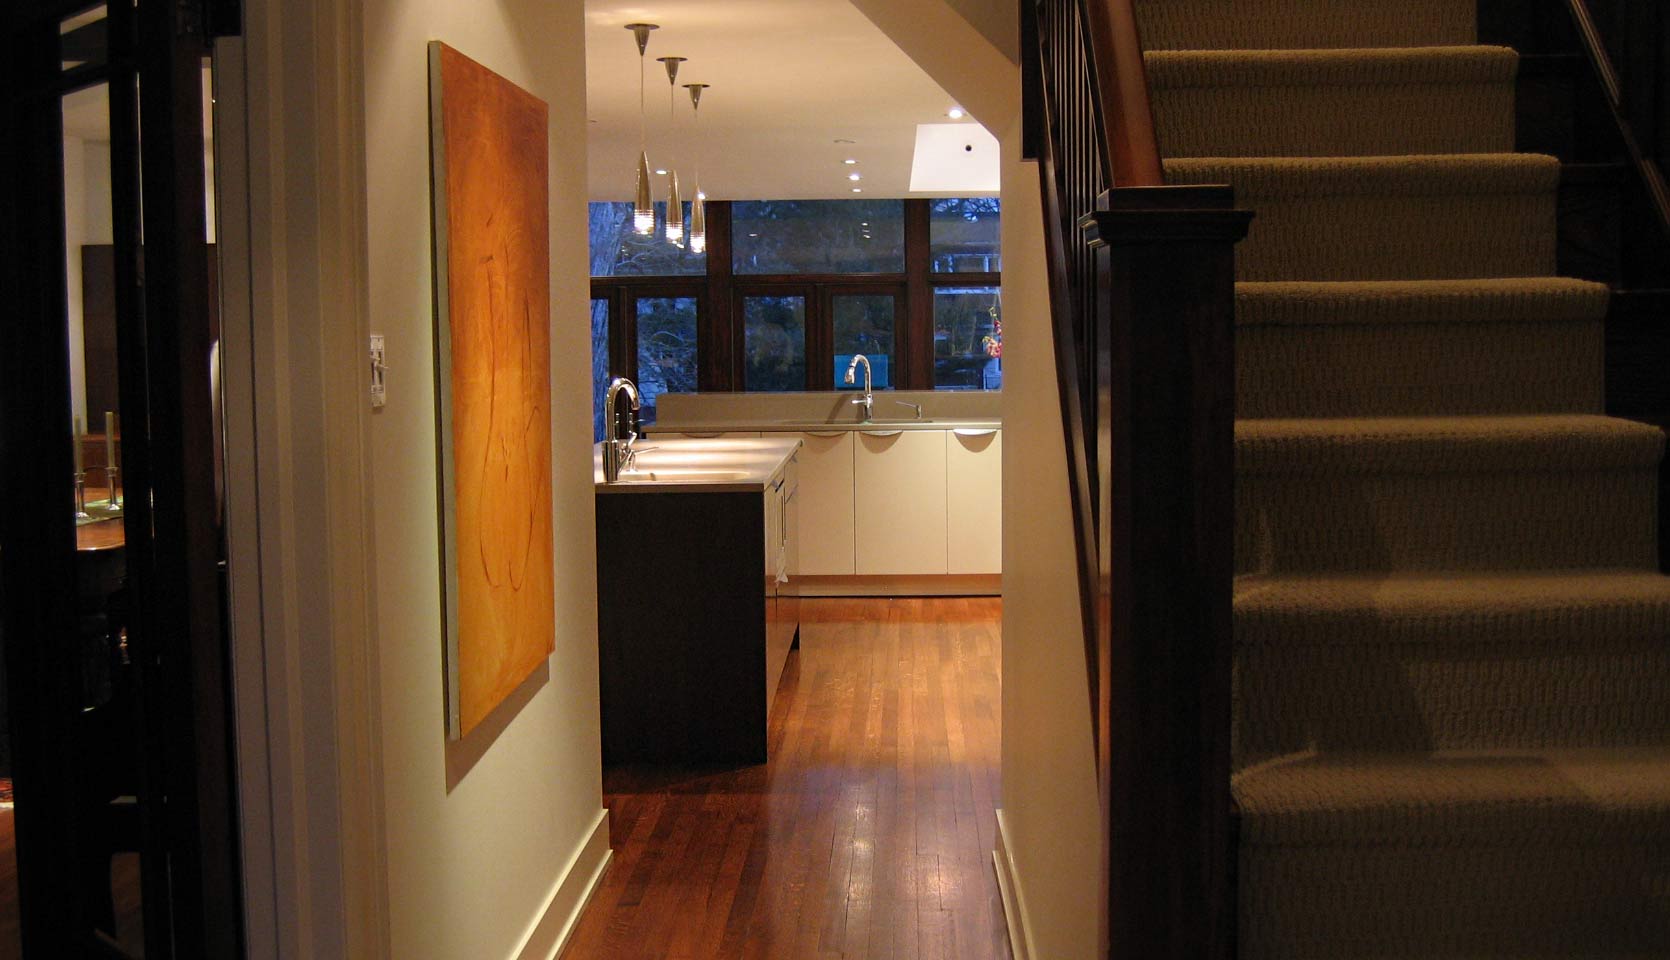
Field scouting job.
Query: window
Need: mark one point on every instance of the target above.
(599, 361)
(968, 338)
(774, 343)
(795, 290)
(818, 236)
(864, 323)
(616, 251)
(665, 332)
(964, 235)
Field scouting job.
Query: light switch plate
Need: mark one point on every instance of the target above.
(379, 370)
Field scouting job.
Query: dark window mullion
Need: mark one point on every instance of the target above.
(916, 346)
(719, 333)
(820, 338)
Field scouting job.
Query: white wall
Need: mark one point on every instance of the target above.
(75, 235)
(480, 833)
(1051, 813)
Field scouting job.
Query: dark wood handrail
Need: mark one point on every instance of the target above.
(1128, 115)
(1646, 164)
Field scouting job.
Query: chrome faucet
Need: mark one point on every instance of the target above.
(868, 400)
(617, 453)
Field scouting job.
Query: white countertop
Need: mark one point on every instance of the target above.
(689, 465)
(664, 427)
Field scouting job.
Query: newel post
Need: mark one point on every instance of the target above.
(1165, 381)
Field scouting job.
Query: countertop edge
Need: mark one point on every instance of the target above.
(778, 426)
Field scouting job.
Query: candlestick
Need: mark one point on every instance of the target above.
(78, 435)
(110, 460)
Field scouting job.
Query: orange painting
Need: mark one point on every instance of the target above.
(493, 349)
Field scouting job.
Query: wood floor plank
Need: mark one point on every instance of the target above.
(869, 834)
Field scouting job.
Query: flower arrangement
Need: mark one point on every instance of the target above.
(993, 342)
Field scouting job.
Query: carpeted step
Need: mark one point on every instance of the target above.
(1445, 493)
(1445, 661)
(1419, 347)
(1300, 24)
(1559, 853)
(1333, 103)
(1389, 218)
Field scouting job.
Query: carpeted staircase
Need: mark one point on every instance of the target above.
(1452, 675)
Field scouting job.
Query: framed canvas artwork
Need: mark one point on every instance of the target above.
(490, 191)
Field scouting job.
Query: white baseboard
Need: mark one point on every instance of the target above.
(551, 931)
(1014, 902)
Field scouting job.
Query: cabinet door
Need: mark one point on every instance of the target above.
(974, 502)
(825, 501)
(899, 496)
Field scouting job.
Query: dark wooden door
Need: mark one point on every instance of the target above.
(111, 624)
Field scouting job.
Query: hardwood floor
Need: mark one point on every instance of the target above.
(868, 835)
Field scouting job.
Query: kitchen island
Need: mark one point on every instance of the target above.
(697, 600)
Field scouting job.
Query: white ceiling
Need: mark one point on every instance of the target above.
(789, 79)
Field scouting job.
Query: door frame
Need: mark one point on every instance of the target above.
(290, 160)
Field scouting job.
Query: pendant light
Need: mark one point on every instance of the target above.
(643, 207)
(675, 204)
(698, 205)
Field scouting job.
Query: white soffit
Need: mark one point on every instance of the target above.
(954, 158)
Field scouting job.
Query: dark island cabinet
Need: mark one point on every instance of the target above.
(697, 613)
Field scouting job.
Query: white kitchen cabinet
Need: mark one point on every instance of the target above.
(974, 501)
(826, 504)
(900, 502)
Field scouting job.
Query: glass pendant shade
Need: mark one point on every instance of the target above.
(675, 209)
(643, 208)
(698, 222)
(698, 201)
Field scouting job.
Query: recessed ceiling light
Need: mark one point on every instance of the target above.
(855, 175)
(753, 234)
(865, 223)
(660, 173)
(956, 113)
(857, 189)
(849, 161)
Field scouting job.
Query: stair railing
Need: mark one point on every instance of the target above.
(1142, 309)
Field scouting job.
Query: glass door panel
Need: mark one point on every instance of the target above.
(968, 338)
(664, 330)
(774, 343)
(864, 324)
(105, 724)
(601, 373)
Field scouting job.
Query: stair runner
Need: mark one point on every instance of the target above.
(1452, 673)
